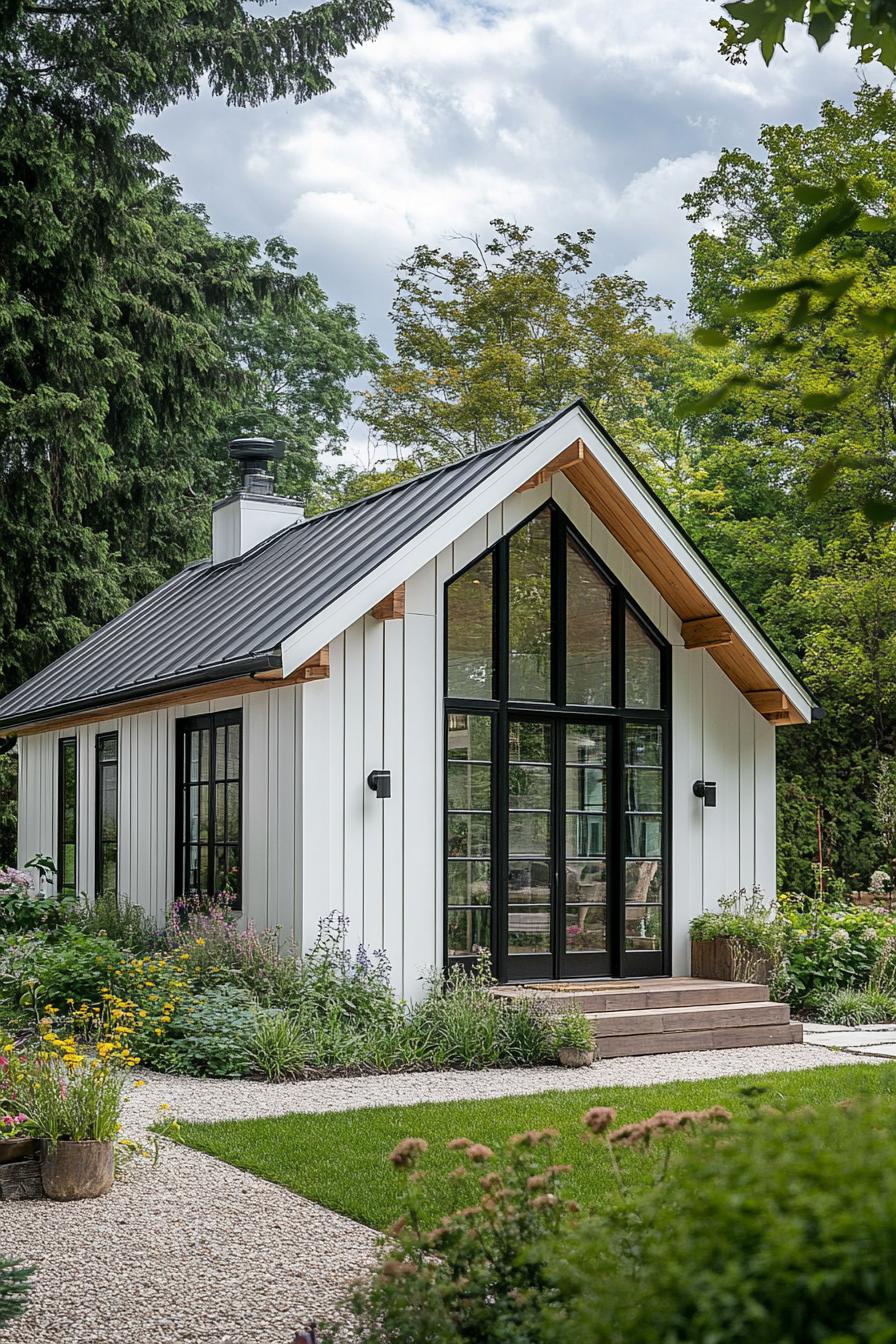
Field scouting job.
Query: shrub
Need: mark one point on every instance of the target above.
(460, 1024)
(64, 967)
(116, 919)
(853, 1007)
(572, 1031)
(779, 1235)
(209, 1036)
(480, 1275)
(14, 1281)
(25, 901)
(745, 915)
(277, 1047)
(829, 948)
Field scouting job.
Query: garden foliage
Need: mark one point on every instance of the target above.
(774, 1229)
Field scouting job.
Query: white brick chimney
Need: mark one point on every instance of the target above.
(255, 513)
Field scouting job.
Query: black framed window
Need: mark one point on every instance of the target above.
(67, 818)
(557, 853)
(209, 818)
(106, 876)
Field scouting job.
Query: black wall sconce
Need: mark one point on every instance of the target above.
(381, 783)
(706, 789)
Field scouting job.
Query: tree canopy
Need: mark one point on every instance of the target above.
(491, 338)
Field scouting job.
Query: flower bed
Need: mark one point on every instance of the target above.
(206, 997)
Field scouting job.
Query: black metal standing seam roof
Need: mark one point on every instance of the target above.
(213, 621)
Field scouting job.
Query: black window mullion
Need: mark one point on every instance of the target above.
(558, 608)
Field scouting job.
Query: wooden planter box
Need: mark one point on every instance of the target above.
(717, 959)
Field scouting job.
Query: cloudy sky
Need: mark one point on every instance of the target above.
(561, 113)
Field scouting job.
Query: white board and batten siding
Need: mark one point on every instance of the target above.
(146, 802)
(315, 837)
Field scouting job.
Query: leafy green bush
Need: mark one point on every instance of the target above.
(26, 902)
(832, 948)
(14, 1279)
(122, 923)
(573, 1031)
(853, 1007)
(209, 1038)
(780, 1234)
(66, 968)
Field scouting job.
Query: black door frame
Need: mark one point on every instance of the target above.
(559, 964)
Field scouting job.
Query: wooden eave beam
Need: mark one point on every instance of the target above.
(706, 632)
(570, 456)
(392, 607)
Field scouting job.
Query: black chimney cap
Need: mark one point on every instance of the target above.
(266, 450)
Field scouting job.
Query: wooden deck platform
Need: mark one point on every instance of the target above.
(662, 1016)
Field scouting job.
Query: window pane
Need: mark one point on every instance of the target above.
(107, 747)
(528, 929)
(470, 665)
(529, 741)
(221, 752)
(469, 883)
(586, 928)
(529, 883)
(643, 882)
(530, 610)
(643, 790)
(469, 932)
(643, 744)
(585, 744)
(585, 789)
(589, 625)
(469, 835)
(528, 832)
(642, 666)
(586, 882)
(643, 928)
(529, 786)
(585, 835)
(469, 786)
(643, 836)
(469, 737)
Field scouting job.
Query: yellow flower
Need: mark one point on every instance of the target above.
(139, 1082)
(200, 942)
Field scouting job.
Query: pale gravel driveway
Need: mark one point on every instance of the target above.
(194, 1251)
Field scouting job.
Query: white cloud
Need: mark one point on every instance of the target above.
(587, 113)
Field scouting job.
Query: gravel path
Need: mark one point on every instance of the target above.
(193, 1250)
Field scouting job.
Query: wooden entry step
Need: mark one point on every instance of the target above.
(602, 996)
(656, 1017)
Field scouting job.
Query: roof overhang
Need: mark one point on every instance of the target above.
(576, 444)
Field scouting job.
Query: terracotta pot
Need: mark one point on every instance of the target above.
(16, 1150)
(77, 1170)
(571, 1057)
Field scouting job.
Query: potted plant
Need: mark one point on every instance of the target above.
(573, 1039)
(738, 941)
(16, 1143)
(74, 1103)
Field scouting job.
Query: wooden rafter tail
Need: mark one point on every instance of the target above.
(392, 607)
(570, 457)
(706, 632)
(316, 668)
(769, 702)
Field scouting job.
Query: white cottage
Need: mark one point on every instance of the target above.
(505, 705)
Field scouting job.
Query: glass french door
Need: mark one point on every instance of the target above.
(581, 885)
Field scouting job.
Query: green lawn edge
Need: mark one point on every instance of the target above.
(340, 1158)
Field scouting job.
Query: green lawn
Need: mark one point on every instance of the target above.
(340, 1159)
